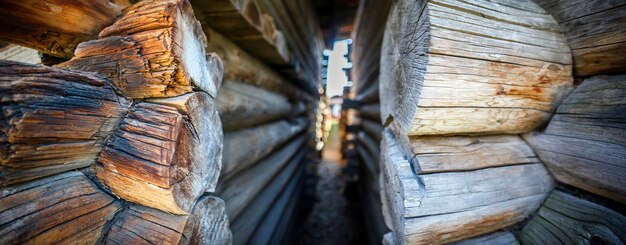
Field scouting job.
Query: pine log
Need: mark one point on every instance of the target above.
(156, 49)
(471, 67)
(371, 167)
(451, 206)
(241, 66)
(244, 148)
(371, 111)
(164, 155)
(500, 238)
(373, 128)
(566, 219)
(19, 53)
(239, 191)
(286, 226)
(596, 33)
(369, 94)
(285, 184)
(372, 206)
(242, 105)
(56, 26)
(585, 143)
(53, 120)
(60, 209)
(206, 224)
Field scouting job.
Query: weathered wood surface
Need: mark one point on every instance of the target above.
(206, 224)
(499, 238)
(286, 183)
(471, 67)
(373, 128)
(165, 155)
(239, 191)
(19, 53)
(53, 120)
(60, 209)
(56, 26)
(369, 94)
(451, 206)
(244, 148)
(435, 154)
(371, 111)
(156, 49)
(242, 105)
(596, 33)
(371, 205)
(241, 66)
(585, 143)
(566, 219)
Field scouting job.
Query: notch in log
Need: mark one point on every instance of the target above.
(166, 153)
(155, 49)
(53, 120)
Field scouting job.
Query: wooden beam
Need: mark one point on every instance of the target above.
(155, 49)
(165, 154)
(566, 219)
(585, 143)
(57, 209)
(54, 120)
(56, 27)
(472, 67)
(242, 105)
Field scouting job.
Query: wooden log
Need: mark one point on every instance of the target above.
(165, 154)
(596, 33)
(286, 227)
(371, 111)
(284, 184)
(206, 224)
(241, 66)
(566, 219)
(370, 94)
(242, 105)
(56, 26)
(239, 191)
(60, 209)
(369, 193)
(500, 237)
(19, 53)
(471, 67)
(451, 206)
(244, 148)
(53, 120)
(585, 143)
(155, 49)
(373, 128)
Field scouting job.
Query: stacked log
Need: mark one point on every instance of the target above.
(363, 105)
(459, 80)
(101, 154)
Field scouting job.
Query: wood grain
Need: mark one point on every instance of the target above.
(585, 143)
(61, 209)
(566, 219)
(165, 155)
(56, 27)
(500, 238)
(19, 53)
(471, 67)
(53, 120)
(155, 49)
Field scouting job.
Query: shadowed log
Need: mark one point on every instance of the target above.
(156, 49)
(585, 143)
(56, 26)
(61, 209)
(53, 120)
(471, 67)
(165, 156)
(500, 238)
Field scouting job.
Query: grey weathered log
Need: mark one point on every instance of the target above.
(239, 191)
(19, 53)
(165, 154)
(207, 223)
(370, 111)
(596, 33)
(244, 148)
(370, 94)
(585, 143)
(566, 219)
(500, 238)
(60, 209)
(53, 120)
(471, 67)
(373, 128)
(243, 105)
(451, 206)
(245, 224)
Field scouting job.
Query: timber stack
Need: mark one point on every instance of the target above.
(122, 142)
(361, 109)
(487, 138)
